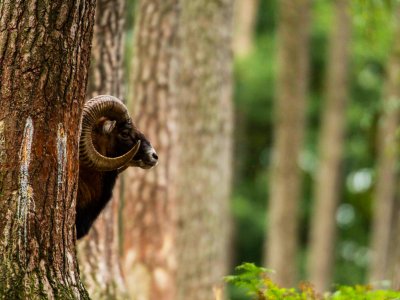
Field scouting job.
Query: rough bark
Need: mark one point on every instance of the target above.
(204, 181)
(285, 183)
(44, 56)
(388, 155)
(176, 215)
(149, 260)
(327, 183)
(107, 57)
(99, 252)
(99, 256)
(245, 21)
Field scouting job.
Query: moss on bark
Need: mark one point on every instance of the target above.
(44, 57)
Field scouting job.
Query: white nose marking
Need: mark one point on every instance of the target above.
(152, 156)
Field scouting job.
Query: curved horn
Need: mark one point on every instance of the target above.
(95, 108)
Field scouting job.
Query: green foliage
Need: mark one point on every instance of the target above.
(373, 25)
(364, 293)
(259, 286)
(267, 17)
(250, 277)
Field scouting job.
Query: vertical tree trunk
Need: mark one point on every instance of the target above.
(205, 92)
(245, 20)
(393, 268)
(44, 56)
(292, 82)
(149, 232)
(385, 189)
(327, 187)
(98, 252)
(177, 215)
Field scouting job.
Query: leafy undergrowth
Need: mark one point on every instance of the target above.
(258, 285)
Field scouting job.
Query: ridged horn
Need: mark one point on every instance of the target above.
(95, 108)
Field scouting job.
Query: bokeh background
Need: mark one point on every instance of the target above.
(372, 38)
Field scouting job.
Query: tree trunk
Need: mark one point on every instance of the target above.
(245, 20)
(292, 83)
(149, 232)
(177, 215)
(44, 56)
(394, 250)
(327, 185)
(98, 252)
(204, 181)
(388, 155)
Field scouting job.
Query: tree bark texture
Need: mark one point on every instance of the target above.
(44, 57)
(285, 183)
(388, 155)
(331, 142)
(149, 201)
(99, 251)
(204, 181)
(176, 215)
(245, 23)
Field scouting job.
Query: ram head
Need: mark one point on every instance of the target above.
(110, 140)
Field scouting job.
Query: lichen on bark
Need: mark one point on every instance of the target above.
(44, 56)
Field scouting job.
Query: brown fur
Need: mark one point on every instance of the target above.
(95, 187)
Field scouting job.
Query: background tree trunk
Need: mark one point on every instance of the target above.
(204, 181)
(388, 155)
(327, 184)
(292, 83)
(245, 20)
(98, 252)
(392, 272)
(44, 56)
(149, 227)
(177, 214)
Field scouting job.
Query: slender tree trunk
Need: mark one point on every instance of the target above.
(245, 20)
(205, 92)
(98, 252)
(292, 82)
(44, 56)
(394, 249)
(327, 187)
(388, 155)
(149, 227)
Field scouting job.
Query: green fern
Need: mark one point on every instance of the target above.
(259, 286)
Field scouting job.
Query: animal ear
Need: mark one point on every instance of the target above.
(108, 126)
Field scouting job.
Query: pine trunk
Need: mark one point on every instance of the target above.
(98, 252)
(388, 155)
(285, 184)
(204, 181)
(44, 57)
(327, 185)
(149, 201)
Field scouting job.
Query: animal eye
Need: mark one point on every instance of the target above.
(124, 135)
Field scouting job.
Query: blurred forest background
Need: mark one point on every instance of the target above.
(316, 88)
(348, 162)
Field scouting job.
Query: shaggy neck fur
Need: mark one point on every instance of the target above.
(94, 199)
